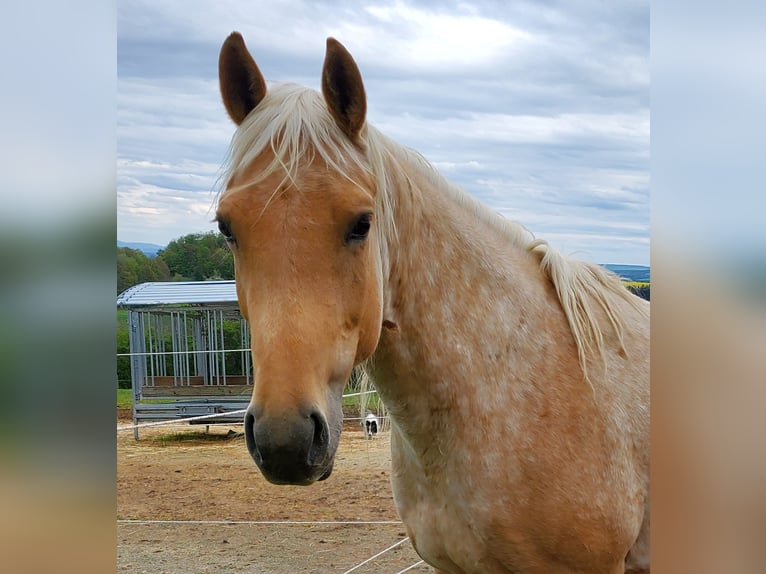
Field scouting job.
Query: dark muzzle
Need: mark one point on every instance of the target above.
(289, 449)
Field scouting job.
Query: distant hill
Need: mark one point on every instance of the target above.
(630, 272)
(638, 273)
(148, 249)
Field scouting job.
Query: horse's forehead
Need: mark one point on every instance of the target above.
(312, 186)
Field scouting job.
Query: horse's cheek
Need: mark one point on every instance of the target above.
(369, 306)
(369, 327)
(369, 333)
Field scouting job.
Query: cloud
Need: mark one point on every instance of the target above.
(149, 211)
(433, 40)
(541, 111)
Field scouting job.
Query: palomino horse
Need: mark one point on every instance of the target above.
(517, 381)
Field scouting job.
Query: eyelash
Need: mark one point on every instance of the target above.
(360, 229)
(225, 230)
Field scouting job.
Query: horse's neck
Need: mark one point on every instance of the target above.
(451, 301)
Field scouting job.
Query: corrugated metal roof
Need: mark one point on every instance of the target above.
(178, 293)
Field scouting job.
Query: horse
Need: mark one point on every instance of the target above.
(515, 378)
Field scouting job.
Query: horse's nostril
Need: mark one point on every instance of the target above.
(318, 450)
(252, 447)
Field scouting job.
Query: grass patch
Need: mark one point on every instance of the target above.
(352, 403)
(637, 284)
(124, 398)
(194, 436)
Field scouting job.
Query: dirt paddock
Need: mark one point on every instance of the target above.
(181, 493)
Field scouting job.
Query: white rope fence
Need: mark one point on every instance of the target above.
(183, 420)
(371, 558)
(418, 563)
(359, 394)
(224, 414)
(187, 352)
(261, 522)
(292, 523)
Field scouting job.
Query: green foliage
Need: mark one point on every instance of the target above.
(123, 346)
(232, 336)
(124, 398)
(193, 257)
(134, 267)
(639, 288)
(351, 404)
(199, 257)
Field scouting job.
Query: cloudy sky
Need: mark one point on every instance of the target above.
(538, 108)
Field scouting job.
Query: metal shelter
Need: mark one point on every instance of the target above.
(189, 350)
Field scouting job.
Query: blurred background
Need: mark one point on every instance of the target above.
(58, 284)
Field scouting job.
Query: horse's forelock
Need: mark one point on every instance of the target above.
(293, 123)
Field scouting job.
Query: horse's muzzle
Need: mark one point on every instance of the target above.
(289, 449)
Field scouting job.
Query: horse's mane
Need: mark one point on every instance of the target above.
(294, 124)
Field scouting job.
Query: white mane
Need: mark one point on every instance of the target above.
(294, 124)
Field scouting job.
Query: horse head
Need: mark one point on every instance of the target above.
(299, 214)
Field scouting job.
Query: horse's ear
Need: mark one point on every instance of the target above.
(343, 89)
(242, 84)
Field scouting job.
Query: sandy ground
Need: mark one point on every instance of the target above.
(162, 480)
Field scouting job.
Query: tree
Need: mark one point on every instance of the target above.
(134, 267)
(199, 257)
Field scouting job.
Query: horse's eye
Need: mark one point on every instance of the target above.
(359, 228)
(223, 227)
